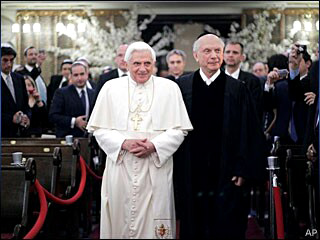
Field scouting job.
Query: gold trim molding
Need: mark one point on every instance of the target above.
(80, 13)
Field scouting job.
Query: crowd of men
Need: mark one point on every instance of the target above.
(189, 145)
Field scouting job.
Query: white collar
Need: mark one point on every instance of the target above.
(207, 80)
(134, 83)
(29, 68)
(4, 76)
(302, 77)
(120, 72)
(234, 74)
(80, 89)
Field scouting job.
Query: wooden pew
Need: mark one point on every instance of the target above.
(48, 167)
(70, 155)
(70, 214)
(85, 144)
(16, 184)
(87, 150)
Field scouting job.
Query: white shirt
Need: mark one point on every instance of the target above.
(64, 79)
(120, 72)
(88, 84)
(4, 76)
(29, 68)
(207, 80)
(302, 77)
(234, 74)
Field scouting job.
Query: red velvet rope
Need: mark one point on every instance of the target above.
(92, 173)
(279, 215)
(79, 192)
(43, 212)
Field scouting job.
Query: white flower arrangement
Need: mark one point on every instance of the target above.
(99, 44)
(256, 38)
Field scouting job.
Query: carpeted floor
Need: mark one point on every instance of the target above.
(253, 231)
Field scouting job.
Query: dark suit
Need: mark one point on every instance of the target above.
(283, 104)
(209, 205)
(66, 104)
(53, 86)
(9, 107)
(312, 135)
(300, 109)
(103, 79)
(254, 85)
(171, 77)
(285, 94)
(34, 73)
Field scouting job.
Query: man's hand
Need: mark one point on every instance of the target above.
(37, 97)
(311, 152)
(129, 144)
(81, 122)
(238, 181)
(25, 122)
(139, 148)
(273, 76)
(310, 97)
(144, 149)
(17, 117)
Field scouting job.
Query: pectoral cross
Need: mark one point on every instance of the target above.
(136, 118)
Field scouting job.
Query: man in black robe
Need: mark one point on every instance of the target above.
(224, 155)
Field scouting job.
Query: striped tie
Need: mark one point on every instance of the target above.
(10, 86)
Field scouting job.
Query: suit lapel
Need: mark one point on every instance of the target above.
(17, 86)
(90, 96)
(6, 89)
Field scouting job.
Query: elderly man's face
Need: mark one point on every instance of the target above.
(259, 70)
(210, 54)
(176, 64)
(141, 66)
(120, 57)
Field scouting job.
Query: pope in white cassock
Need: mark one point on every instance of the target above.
(139, 120)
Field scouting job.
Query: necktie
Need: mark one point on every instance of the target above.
(123, 75)
(10, 86)
(83, 100)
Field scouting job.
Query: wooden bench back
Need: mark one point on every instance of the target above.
(16, 182)
(48, 167)
(70, 155)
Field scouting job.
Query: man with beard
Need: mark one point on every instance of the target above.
(72, 105)
(33, 70)
(14, 104)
